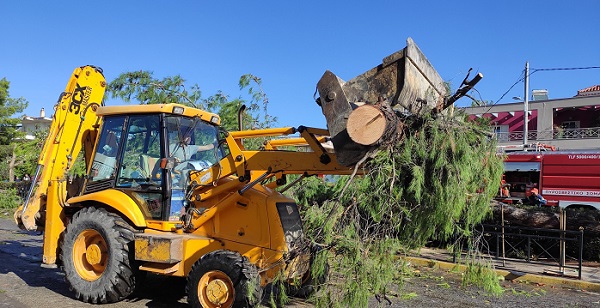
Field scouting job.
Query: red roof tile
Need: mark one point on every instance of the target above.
(589, 90)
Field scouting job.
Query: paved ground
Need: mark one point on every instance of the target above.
(23, 283)
(434, 287)
(549, 274)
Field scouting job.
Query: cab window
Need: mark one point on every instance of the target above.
(105, 158)
(194, 145)
(141, 155)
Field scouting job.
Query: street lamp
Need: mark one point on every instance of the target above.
(525, 105)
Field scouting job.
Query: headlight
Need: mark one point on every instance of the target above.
(178, 110)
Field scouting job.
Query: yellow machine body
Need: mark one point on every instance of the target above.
(233, 211)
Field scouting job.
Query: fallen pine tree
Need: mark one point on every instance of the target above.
(433, 184)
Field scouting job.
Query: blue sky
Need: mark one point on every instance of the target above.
(289, 44)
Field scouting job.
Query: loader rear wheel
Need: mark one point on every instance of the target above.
(223, 279)
(96, 255)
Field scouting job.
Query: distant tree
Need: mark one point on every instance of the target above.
(143, 87)
(9, 132)
(28, 153)
(477, 103)
(8, 108)
(258, 97)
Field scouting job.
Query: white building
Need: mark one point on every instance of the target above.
(30, 125)
(566, 123)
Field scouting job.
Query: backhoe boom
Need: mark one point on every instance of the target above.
(73, 127)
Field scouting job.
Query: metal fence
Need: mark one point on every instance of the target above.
(535, 245)
(571, 133)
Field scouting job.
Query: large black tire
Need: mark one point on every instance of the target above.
(97, 256)
(223, 279)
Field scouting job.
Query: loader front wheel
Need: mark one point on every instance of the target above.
(307, 285)
(223, 279)
(96, 255)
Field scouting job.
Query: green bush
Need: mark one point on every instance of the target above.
(9, 201)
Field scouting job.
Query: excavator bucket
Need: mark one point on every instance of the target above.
(405, 79)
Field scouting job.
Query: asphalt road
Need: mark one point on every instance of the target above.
(23, 283)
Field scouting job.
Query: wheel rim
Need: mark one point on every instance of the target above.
(90, 254)
(215, 289)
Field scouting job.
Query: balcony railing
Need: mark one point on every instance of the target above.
(571, 133)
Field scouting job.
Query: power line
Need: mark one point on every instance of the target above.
(565, 69)
(521, 78)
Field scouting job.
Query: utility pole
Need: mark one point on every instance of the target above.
(526, 106)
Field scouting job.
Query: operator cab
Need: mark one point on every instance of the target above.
(129, 154)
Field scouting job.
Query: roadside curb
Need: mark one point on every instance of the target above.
(515, 276)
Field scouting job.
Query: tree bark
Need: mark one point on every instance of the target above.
(587, 220)
(11, 164)
(535, 217)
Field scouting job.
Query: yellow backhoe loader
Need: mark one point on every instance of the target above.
(168, 191)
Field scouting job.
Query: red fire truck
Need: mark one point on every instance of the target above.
(565, 179)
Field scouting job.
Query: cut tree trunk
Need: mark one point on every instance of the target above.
(587, 220)
(536, 217)
(375, 124)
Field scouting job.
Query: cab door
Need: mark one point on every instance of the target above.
(139, 174)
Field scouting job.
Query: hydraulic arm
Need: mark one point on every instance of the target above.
(73, 127)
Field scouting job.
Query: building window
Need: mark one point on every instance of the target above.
(501, 132)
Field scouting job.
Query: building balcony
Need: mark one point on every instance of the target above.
(549, 135)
